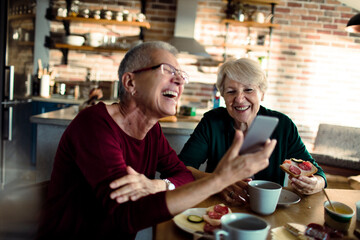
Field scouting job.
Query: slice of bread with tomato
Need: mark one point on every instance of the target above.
(298, 167)
(213, 217)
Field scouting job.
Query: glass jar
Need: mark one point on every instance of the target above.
(97, 14)
(107, 14)
(74, 9)
(85, 13)
(119, 16)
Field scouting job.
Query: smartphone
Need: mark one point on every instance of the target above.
(260, 130)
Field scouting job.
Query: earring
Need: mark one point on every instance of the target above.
(133, 93)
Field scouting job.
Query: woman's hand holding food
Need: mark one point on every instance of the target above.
(307, 185)
(134, 186)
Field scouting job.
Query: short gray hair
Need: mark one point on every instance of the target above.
(243, 70)
(140, 56)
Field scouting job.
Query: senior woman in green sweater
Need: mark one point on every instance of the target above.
(242, 83)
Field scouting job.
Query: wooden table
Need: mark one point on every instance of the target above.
(308, 210)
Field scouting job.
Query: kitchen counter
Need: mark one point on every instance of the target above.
(51, 125)
(63, 117)
(65, 100)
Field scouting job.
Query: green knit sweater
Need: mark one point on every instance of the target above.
(214, 134)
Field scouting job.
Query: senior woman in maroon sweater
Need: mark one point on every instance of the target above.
(124, 141)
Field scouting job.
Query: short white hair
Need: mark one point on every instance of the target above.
(243, 70)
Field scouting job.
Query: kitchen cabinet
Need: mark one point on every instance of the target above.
(40, 107)
(50, 43)
(250, 45)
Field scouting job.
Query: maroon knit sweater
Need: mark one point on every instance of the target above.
(92, 152)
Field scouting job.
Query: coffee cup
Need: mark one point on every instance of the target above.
(357, 210)
(242, 226)
(264, 196)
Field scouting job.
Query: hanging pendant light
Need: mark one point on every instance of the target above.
(354, 24)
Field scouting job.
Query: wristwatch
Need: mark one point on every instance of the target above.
(169, 185)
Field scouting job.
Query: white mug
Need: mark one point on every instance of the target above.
(357, 210)
(264, 196)
(242, 226)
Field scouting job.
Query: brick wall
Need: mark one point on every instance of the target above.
(313, 68)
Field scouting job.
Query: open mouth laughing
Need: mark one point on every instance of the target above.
(242, 108)
(170, 94)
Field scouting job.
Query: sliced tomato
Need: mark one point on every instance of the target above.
(221, 209)
(294, 170)
(287, 161)
(306, 166)
(214, 215)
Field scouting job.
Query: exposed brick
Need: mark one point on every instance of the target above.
(330, 26)
(327, 7)
(308, 18)
(323, 32)
(325, 19)
(294, 4)
(299, 11)
(282, 10)
(322, 43)
(311, 6)
(342, 33)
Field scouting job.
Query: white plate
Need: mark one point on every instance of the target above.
(182, 222)
(287, 197)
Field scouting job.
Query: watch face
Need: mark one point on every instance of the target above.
(171, 186)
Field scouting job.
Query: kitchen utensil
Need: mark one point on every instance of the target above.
(327, 197)
(40, 68)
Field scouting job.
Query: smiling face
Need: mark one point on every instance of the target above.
(156, 92)
(242, 101)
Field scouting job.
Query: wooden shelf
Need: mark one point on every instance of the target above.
(87, 48)
(259, 2)
(249, 24)
(103, 21)
(26, 43)
(21, 17)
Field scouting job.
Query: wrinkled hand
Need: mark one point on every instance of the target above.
(234, 167)
(236, 194)
(134, 186)
(307, 185)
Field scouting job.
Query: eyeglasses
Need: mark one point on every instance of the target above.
(167, 69)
